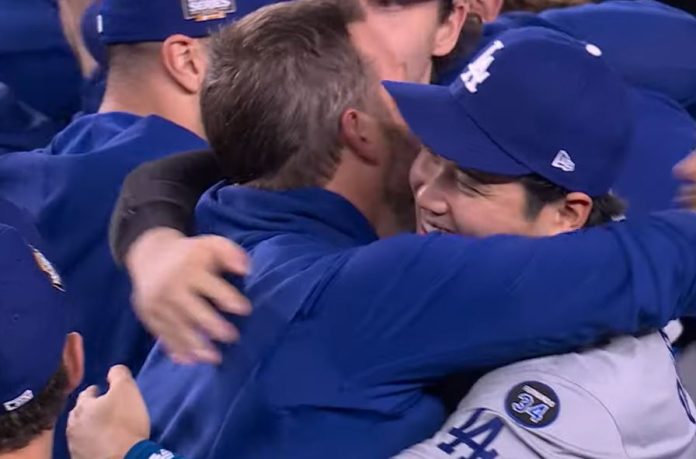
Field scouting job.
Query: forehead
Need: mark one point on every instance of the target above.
(469, 175)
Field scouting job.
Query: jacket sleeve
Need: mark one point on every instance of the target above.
(161, 193)
(435, 305)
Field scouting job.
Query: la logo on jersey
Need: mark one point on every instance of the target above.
(477, 72)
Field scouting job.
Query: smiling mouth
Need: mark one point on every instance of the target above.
(427, 228)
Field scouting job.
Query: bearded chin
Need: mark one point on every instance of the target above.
(403, 149)
(403, 208)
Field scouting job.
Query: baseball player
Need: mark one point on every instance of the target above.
(157, 59)
(513, 185)
(424, 35)
(42, 363)
(290, 409)
(517, 149)
(351, 327)
(669, 81)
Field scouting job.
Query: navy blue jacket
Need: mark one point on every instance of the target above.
(70, 189)
(349, 332)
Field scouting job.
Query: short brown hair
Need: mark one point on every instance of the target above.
(279, 82)
(19, 428)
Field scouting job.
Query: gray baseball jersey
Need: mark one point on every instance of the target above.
(623, 400)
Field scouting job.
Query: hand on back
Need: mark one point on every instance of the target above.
(179, 291)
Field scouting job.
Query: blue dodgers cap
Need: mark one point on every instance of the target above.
(90, 33)
(533, 101)
(134, 21)
(33, 321)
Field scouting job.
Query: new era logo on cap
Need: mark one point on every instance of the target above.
(563, 161)
(205, 10)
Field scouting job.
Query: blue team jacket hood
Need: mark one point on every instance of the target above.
(265, 212)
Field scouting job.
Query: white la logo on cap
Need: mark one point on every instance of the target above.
(564, 162)
(477, 72)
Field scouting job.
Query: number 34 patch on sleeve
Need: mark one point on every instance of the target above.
(532, 404)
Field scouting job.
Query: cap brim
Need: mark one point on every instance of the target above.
(442, 124)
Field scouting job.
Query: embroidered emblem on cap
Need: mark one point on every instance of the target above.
(532, 404)
(19, 402)
(564, 162)
(477, 72)
(208, 10)
(48, 269)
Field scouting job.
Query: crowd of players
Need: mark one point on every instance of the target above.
(540, 149)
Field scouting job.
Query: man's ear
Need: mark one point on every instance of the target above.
(360, 134)
(448, 32)
(185, 61)
(74, 360)
(574, 211)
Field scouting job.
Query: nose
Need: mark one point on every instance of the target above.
(426, 184)
(430, 198)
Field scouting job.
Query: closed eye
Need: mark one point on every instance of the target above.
(469, 189)
(390, 5)
(467, 185)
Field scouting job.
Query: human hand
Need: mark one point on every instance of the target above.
(110, 425)
(177, 285)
